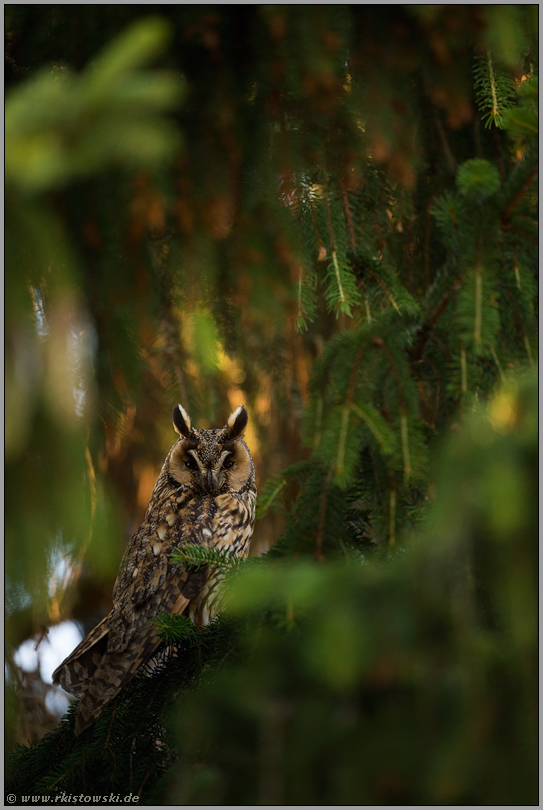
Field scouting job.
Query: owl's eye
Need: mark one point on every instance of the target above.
(190, 464)
(228, 464)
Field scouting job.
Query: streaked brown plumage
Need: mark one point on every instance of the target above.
(205, 494)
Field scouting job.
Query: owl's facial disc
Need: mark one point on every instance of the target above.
(212, 476)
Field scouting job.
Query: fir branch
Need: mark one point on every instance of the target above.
(380, 344)
(316, 227)
(371, 417)
(478, 304)
(340, 459)
(354, 372)
(338, 277)
(492, 80)
(498, 364)
(494, 90)
(464, 369)
(330, 225)
(384, 289)
(318, 421)
(518, 318)
(416, 352)
(352, 234)
(522, 122)
(528, 349)
(367, 307)
(392, 514)
(449, 158)
(427, 243)
(199, 556)
(307, 306)
(405, 444)
(341, 292)
(519, 232)
(300, 317)
(506, 214)
(270, 492)
(322, 515)
(172, 627)
(517, 274)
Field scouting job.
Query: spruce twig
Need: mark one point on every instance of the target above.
(506, 213)
(322, 515)
(352, 234)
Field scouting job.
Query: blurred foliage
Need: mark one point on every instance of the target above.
(329, 214)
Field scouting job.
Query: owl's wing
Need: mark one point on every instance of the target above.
(118, 666)
(148, 582)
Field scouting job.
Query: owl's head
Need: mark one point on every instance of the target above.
(211, 460)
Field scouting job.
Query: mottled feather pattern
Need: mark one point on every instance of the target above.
(205, 494)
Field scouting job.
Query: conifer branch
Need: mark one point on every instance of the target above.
(354, 371)
(362, 413)
(516, 268)
(506, 213)
(518, 315)
(315, 224)
(381, 345)
(318, 421)
(405, 444)
(338, 277)
(451, 163)
(427, 243)
(528, 349)
(497, 361)
(367, 307)
(267, 498)
(349, 216)
(392, 515)
(384, 289)
(200, 556)
(330, 224)
(340, 459)
(322, 515)
(464, 370)
(492, 80)
(478, 304)
(519, 232)
(494, 90)
(417, 350)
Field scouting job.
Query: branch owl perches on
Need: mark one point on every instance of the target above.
(205, 495)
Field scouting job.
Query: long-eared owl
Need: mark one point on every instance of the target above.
(205, 494)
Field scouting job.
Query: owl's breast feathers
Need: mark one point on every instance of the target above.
(150, 582)
(150, 579)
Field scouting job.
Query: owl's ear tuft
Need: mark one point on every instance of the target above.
(237, 422)
(181, 421)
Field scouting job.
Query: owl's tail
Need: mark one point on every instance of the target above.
(100, 666)
(114, 672)
(78, 668)
(96, 675)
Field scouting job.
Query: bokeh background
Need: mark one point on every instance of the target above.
(327, 213)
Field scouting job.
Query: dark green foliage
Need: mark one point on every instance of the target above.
(128, 748)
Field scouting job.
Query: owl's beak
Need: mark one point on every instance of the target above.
(210, 480)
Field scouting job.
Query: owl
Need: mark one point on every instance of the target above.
(205, 494)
